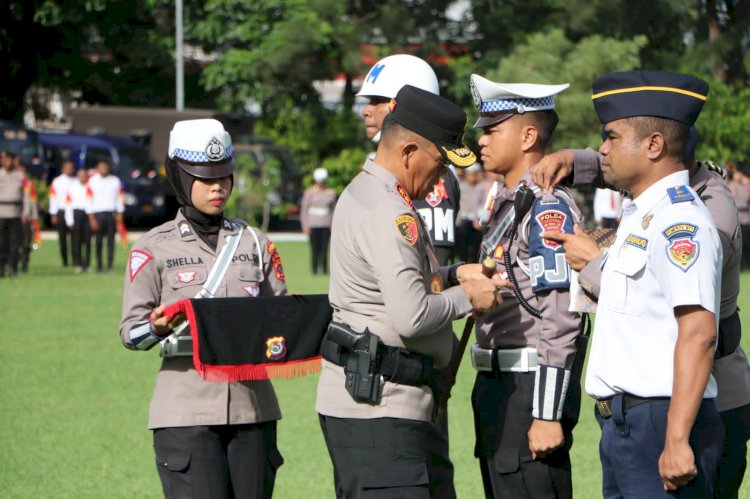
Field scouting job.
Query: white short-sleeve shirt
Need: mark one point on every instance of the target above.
(667, 254)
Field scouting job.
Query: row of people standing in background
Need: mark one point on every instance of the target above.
(81, 204)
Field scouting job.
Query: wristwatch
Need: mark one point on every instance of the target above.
(452, 278)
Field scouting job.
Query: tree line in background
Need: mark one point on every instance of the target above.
(268, 53)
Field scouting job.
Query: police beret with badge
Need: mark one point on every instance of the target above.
(662, 94)
(436, 119)
(497, 102)
(202, 148)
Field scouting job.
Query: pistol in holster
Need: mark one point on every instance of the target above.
(358, 354)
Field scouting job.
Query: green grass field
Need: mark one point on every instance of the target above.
(74, 401)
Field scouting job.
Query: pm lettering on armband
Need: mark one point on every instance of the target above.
(542, 278)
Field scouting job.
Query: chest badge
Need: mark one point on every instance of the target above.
(407, 227)
(646, 221)
(186, 277)
(252, 290)
(437, 195)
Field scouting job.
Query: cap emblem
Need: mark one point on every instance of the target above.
(475, 94)
(461, 156)
(215, 150)
(392, 105)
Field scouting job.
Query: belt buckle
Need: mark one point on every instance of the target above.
(603, 407)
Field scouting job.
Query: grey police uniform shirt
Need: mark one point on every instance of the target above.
(509, 325)
(732, 372)
(170, 263)
(316, 210)
(14, 199)
(385, 278)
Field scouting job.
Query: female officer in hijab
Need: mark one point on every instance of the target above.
(211, 439)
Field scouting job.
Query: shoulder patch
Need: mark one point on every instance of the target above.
(637, 241)
(138, 259)
(679, 194)
(682, 250)
(407, 227)
(276, 261)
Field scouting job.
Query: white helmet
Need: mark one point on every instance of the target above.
(391, 73)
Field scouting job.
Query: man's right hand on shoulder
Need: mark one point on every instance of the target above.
(552, 169)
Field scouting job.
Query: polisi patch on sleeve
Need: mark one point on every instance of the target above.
(547, 266)
(407, 227)
(138, 259)
(682, 250)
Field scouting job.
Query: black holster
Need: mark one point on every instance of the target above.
(358, 353)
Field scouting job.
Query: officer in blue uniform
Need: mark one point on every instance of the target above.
(659, 303)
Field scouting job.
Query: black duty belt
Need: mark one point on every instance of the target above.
(604, 406)
(730, 332)
(395, 364)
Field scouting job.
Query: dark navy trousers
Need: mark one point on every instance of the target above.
(632, 441)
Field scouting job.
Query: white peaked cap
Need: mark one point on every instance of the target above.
(498, 101)
(200, 141)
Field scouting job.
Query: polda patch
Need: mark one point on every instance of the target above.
(407, 227)
(551, 221)
(138, 259)
(276, 348)
(682, 250)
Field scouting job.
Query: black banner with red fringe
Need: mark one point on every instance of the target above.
(241, 339)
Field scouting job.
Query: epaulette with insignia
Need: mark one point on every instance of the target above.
(713, 167)
(679, 194)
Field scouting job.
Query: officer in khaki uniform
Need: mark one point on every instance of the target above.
(393, 309)
(211, 440)
(316, 213)
(730, 368)
(526, 396)
(14, 207)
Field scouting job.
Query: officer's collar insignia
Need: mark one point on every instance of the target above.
(215, 150)
(407, 227)
(404, 195)
(185, 229)
(682, 250)
(637, 241)
(646, 221)
(275, 348)
(436, 284)
(186, 277)
(679, 194)
(138, 259)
